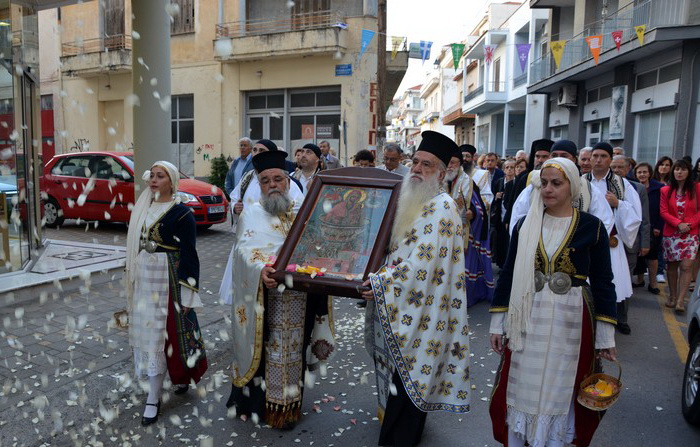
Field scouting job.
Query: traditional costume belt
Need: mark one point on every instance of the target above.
(613, 238)
(152, 246)
(559, 282)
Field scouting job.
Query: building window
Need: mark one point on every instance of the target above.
(292, 118)
(483, 143)
(497, 75)
(599, 93)
(183, 22)
(655, 131)
(658, 76)
(560, 133)
(597, 131)
(182, 119)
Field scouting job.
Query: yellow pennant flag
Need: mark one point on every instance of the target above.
(395, 43)
(557, 48)
(640, 30)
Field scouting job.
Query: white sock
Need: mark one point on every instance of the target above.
(515, 440)
(156, 385)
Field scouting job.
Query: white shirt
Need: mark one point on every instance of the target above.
(401, 169)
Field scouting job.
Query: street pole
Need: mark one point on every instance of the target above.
(151, 114)
(381, 74)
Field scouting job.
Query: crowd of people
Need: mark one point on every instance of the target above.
(576, 230)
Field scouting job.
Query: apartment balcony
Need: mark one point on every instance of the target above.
(668, 22)
(317, 33)
(454, 115)
(92, 57)
(395, 71)
(483, 100)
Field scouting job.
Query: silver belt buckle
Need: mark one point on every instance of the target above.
(560, 283)
(539, 281)
(149, 246)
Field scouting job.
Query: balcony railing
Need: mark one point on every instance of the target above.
(652, 13)
(295, 22)
(111, 43)
(519, 80)
(473, 94)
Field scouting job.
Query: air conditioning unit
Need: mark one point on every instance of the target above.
(567, 96)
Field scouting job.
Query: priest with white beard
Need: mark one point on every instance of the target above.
(271, 328)
(419, 316)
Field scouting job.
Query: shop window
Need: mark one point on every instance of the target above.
(654, 139)
(183, 22)
(182, 123)
(303, 99)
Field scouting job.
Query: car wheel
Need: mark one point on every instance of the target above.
(53, 213)
(691, 384)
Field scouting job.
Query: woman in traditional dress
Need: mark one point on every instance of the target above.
(162, 278)
(553, 320)
(679, 210)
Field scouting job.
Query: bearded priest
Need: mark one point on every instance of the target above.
(272, 327)
(419, 321)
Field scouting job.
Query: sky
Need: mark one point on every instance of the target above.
(441, 21)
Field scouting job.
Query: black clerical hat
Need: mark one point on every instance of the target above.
(566, 146)
(270, 145)
(269, 160)
(438, 144)
(467, 148)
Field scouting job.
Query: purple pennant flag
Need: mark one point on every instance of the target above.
(523, 53)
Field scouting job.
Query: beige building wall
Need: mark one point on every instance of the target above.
(96, 110)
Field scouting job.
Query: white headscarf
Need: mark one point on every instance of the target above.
(521, 297)
(138, 217)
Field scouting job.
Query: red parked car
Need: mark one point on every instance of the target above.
(66, 176)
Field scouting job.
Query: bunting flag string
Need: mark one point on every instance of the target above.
(425, 49)
(523, 54)
(396, 41)
(617, 38)
(367, 35)
(457, 50)
(488, 53)
(640, 30)
(557, 48)
(594, 44)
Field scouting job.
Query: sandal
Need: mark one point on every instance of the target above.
(680, 309)
(671, 303)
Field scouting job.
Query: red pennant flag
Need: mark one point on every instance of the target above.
(617, 37)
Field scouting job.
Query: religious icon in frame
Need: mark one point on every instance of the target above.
(341, 232)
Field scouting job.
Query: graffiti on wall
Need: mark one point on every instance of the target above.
(80, 145)
(205, 150)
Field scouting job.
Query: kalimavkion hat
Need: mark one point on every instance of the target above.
(438, 144)
(541, 145)
(566, 146)
(269, 160)
(467, 148)
(270, 145)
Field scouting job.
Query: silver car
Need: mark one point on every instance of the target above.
(691, 379)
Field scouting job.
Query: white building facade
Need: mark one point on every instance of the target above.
(507, 118)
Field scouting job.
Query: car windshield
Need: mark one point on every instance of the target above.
(129, 160)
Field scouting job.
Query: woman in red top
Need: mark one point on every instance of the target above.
(679, 210)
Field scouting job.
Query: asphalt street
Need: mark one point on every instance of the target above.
(66, 373)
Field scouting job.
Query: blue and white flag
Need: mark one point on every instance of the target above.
(425, 50)
(367, 36)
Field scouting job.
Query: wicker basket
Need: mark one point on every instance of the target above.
(600, 403)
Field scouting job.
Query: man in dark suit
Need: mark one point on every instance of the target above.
(492, 166)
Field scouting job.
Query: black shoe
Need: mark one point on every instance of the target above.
(148, 421)
(362, 304)
(654, 290)
(637, 284)
(624, 328)
(181, 389)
